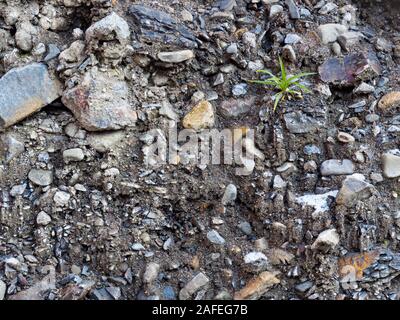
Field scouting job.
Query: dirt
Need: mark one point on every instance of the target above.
(169, 209)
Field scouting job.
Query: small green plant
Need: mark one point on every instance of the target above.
(287, 86)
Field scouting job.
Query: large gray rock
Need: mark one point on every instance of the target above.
(101, 102)
(24, 91)
(337, 167)
(354, 188)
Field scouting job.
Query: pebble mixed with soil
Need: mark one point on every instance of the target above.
(87, 85)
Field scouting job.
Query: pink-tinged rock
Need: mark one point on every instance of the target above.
(101, 102)
(355, 66)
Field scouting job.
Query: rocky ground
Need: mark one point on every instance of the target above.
(83, 217)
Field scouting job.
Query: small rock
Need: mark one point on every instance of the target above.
(232, 49)
(345, 137)
(326, 240)
(293, 9)
(289, 54)
(219, 79)
(112, 27)
(3, 289)
(330, 32)
(239, 89)
(176, 56)
(337, 167)
(330, 6)
(303, 287)
(336, 49)
(186, 15)
(383, 45)
(151, 273)
(279, 183)
(310, 166)
(52, 52)
(389, 101)
(61, 198)
(297, 122)
(167, 110)
(229, 195)
(41, 177)
(371, 118)
(349, 39)
(376, 177)
(292, 38)
(11, 146)
(275, 9)
(43, 219)
(137, 247)
(233, 107)
(18, 190)
(105, 141)
(197, 283)
(257, 261)
(358, 105)
(245, 227)
(200, 117)
(75, 154)
(364, 88)
(13, 263)
(226, 5)
(26, 36)
(311, 149)
(249, 39)
(391, 163)
(214, 237)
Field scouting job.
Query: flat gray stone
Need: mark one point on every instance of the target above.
(41, 177)
(293, 9)
(24, 91)
(337, 167)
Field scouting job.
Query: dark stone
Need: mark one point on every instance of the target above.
(158, 26)
(354, 67)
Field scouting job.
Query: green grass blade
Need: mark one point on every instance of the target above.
(277, 98)
(283, 70)
(265, 82)
(266, 71)
(302, 87)
(300, 75)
